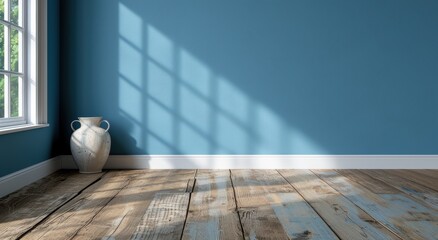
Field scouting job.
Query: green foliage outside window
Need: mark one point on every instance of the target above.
(14, 38)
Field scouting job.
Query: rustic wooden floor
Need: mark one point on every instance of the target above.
(224, 204)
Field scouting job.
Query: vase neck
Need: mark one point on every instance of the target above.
(90, 121)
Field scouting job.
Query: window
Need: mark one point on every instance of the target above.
(23, 81)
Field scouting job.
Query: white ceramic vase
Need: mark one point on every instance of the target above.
(90, 144)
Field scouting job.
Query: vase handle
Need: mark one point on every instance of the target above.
(71, 125)
(106, 130)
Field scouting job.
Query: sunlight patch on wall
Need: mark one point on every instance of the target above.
(153, 142)
(130, 26)
(129, 98)
(178, 104)
(195, 110)
(231, 137)
(161, 85)
(130, 86)
(160, 121)
(194, 73)
(160, 48)
(160, 95)
(300, 143)
(130, 63)
(192, 141)
(233, 101)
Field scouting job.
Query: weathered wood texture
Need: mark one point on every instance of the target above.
(123, 215)
(372, 184)
(433, 173)
(212, 213)
(164, 218)
(77, 213)
(223, 204)
(271, 209)
(346, 219)
(423, 179)
(395, 210)
(423, 194)
(22, 210)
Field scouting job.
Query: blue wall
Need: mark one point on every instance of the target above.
(253, 77)
(23, 149)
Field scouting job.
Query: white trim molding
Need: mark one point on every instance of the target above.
(264, 162)
(41, 55)
(37, 61)
(20, 128)
(14, 181)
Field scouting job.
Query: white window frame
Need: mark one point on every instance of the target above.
(35, 70)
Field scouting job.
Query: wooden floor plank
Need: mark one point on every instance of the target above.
(396, 211)
(258, 218)
(433, 173)
(164, 218)
(424, 194)
(250, 185)
(298, 219)
(122, 216)
(345, 219)
(271, 209)
(21, 210)
(372, 184)
(430, 172)
(171, 204)
(415, 177)
(77, 213)
(212, 213)
(64, 181)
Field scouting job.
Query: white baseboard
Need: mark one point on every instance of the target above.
(265, 162)
(14, 181)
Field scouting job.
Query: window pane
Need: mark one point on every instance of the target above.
(15, 12)
(2, 96)
(16, 65)
(15, 96)
(2, 46)
(2, 9)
